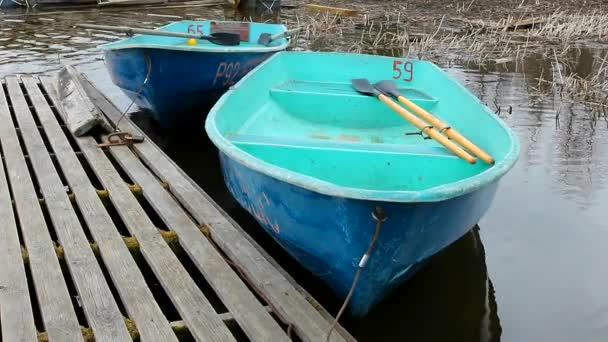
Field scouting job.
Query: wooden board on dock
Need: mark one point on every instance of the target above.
(81, 115)
(89, 223)
(95, 295)
(52, 293)
(130, 283)
(290, 304)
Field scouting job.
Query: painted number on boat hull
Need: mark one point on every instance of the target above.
(198, 29)
(227, 73)
(403, 70)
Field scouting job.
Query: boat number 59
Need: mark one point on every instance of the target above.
(403, 70)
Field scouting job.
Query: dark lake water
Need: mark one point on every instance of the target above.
(534, 269)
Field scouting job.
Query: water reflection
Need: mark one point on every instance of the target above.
(451, 299)
(557, 134)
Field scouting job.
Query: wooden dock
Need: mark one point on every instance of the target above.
(118, 243)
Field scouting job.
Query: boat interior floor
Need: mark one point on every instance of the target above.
(329, 131)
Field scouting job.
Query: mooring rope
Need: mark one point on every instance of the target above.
(145, 82)
(380, 216)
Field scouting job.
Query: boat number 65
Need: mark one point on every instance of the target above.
(198, 29)
(403, 70)
(226, 73)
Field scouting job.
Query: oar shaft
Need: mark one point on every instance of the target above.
(133, 30)
(450, 132)
(414, 120)
(284, 34)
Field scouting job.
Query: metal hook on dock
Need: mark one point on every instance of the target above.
(121, 138)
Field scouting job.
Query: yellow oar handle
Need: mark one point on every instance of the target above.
(414, 120)
(450, 132)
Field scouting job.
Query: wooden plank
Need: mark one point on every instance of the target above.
(81, 114)
(310, 299)
(202, 320)
(99, 306)
(130, 283)
(249, 313)
(16, 315)
(308, 323)
(53, 297)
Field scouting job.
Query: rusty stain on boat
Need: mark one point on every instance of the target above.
(352, 138)
(319, 136)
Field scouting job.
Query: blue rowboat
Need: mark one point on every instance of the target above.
(184, 79)
(311, 158)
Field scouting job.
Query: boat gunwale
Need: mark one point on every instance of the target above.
(211, 48)
(433, 194)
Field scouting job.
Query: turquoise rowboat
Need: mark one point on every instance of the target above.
(175, 81)
(311, 159)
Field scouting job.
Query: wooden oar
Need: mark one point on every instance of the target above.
(364, 87)
(267, 38)
(390, 88)
(219, 38)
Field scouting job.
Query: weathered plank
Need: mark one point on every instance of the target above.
(130, 283)
(16, 315)
(308, 323)
(202, 320)
(99, 306)
(246, 309)
(80, 114)
(53, 297)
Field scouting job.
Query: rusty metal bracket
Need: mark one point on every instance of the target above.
(121, 138)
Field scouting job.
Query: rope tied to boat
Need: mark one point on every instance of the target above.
(117, 137)
(379, 216)
(141, 88)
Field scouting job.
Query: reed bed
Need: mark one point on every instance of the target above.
(508, 41)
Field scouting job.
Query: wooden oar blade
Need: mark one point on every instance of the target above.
(388, 87)
(363, 86)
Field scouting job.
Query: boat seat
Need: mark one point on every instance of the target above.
(298, 91)
(428, 149)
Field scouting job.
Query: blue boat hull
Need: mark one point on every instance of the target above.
(329, 235)
(182, 85)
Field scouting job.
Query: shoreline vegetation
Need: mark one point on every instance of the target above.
(560, 47)
(491, 34)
